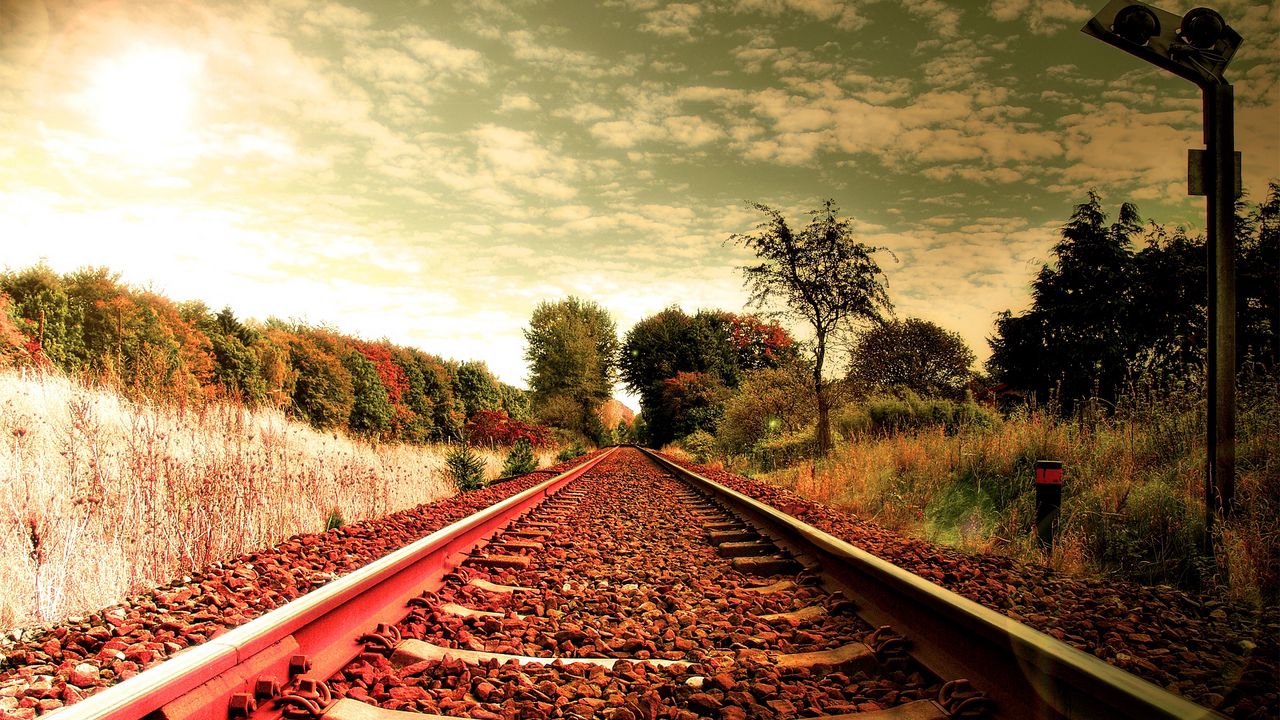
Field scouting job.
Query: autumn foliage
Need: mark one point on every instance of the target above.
(89, 324)
(495, 427)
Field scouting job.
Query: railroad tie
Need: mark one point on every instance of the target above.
(746, 548)
(767, 565)
(504, 544)
(499, 561)
(717, 537)
(811, 612)
(411, 651)
(493, 587)
(348, 709)
(780, 586)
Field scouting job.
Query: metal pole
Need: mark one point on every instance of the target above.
(1220, 187)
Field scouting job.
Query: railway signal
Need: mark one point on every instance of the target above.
(1197, 47)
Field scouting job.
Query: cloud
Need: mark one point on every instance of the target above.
(518, 103)
(676, 20)
(1042, 17)
(842, 15)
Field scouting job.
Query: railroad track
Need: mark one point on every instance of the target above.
(627, 588)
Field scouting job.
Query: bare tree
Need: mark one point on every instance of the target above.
(824, 278)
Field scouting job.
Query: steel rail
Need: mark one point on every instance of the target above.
(315, 634)
(1025, 673)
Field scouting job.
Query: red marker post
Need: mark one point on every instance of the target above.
(1048, 501)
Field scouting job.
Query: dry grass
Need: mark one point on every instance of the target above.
(1133, 499)
(100, 497)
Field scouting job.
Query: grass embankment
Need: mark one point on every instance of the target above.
(100, 496)
(1133, 500)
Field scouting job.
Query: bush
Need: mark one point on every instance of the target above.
(700, 445)
(907, 412)
(520, 460)
(780, 451)
(466, 468)
(571, 452)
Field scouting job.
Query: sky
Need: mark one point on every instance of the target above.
(429, 171)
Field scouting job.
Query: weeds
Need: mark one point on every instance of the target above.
(1133, 494)
(101, 497)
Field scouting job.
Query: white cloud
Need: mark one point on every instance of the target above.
(674, 20)
(1041, 16)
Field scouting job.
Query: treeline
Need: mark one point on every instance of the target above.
(88, 323)
(1120, 305)
(1126, 302)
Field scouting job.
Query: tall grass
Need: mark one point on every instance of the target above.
(1133, 499)
(100, 497)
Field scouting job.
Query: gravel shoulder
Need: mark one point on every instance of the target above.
(1222, 655)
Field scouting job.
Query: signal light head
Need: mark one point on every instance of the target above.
(1137, 24)
(1202, 28)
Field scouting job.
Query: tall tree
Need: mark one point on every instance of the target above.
(1258, 266)
(715, 343)
(823, 277)
(1076, 339)
(914, 354)
(476, 388)
(572, 353)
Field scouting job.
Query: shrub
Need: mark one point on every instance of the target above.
(700, 445)
(495, 427)
(782, 450)
(466, 468)
(908, 411)
(571, 452)
(520, 460)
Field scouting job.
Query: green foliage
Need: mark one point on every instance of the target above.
(914, 354)
(769, 402)
(322, 392)
(714, 345)
(908, 412)
(41, 302)
(476, 388)
(570, 452)
(1153, 534)
(334, 519)
(516, 402)
(572, 353)
(465, 468)
(696, 401)
(824, 278)
(371, 411)
(776, 451)
(1102, 313)
(700, 445)
(237, 367)
(520, 460)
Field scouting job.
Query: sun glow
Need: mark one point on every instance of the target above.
(142, 102)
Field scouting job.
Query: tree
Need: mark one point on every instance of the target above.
(770, 401)
(914, 354)
(322, 388)
(695, 400)
(572, 352)
(824, 278)
(371, 410)
(1078, 338)
(475, 388)
(1258, 266)
(712, 342)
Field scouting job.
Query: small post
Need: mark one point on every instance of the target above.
(1048, 501)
